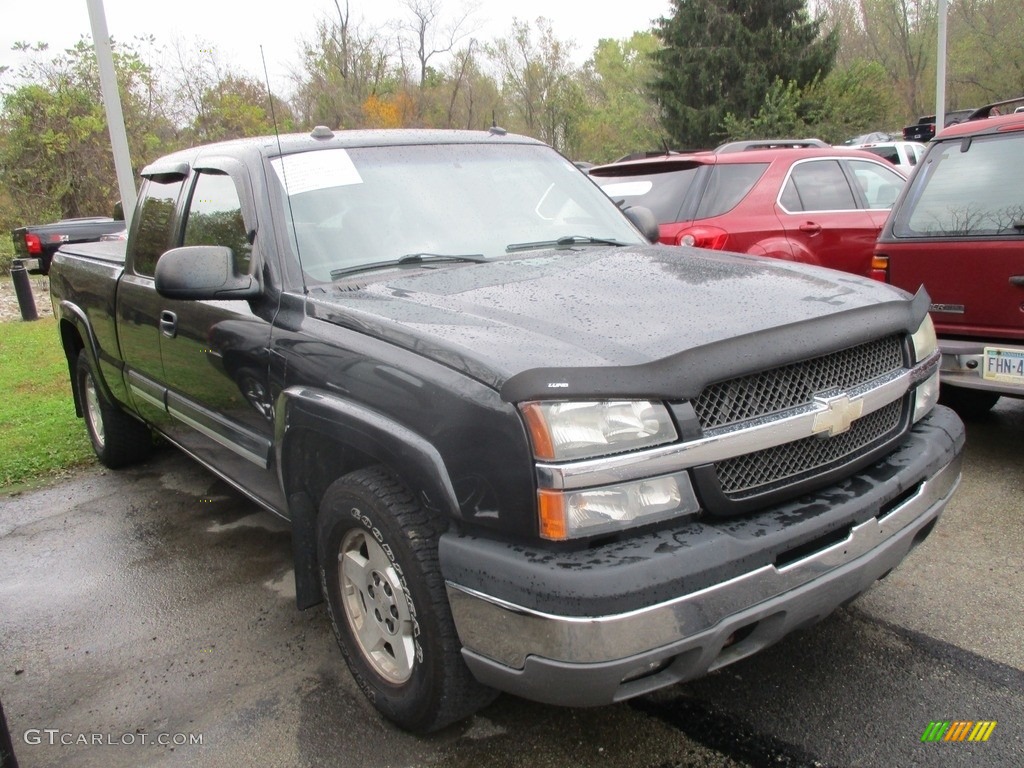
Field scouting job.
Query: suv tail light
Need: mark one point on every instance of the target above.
(711, 238)
(33, 244)
(879, 268)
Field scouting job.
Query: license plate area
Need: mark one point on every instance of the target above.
(1003, 364)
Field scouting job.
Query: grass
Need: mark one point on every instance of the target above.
(40, 436)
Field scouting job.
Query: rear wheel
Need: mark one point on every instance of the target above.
(117, 439)
(382, 583)
(969, 403)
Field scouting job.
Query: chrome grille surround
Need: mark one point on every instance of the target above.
(785, 464)
(778, 389)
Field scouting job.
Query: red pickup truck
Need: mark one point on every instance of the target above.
(958, 229)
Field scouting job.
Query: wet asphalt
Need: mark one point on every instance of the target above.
(147, 619)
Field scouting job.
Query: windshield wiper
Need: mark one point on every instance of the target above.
(409, 258)
(562, 242)
(419, 258)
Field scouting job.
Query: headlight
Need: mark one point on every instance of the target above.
(562, 431)
(925, 345)
(571, 514)
(924, 340)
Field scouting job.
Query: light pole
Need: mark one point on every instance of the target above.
(112, 105)
(940, 71)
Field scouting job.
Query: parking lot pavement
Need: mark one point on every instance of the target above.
(145, 611)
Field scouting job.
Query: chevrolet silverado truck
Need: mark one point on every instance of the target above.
(36, 244)
(520, 447)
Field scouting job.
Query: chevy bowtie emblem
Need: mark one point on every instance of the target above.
(840, 412)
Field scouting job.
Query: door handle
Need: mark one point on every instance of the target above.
(1017, 280)
(168, 324)
(810, 228)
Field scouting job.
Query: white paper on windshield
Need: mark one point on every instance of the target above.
(309, 171)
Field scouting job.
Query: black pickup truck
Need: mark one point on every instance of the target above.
(36, 244)
(521, 448)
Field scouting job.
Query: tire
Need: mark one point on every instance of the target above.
(382, 583)
(969, 403)
(117, 439)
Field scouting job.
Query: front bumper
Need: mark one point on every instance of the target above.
(534, 625)
(963, 365)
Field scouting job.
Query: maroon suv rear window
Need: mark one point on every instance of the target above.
(970, 187)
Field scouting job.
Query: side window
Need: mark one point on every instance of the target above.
(728, 184)
(817, 185)
(214, 217)
(880, 185)
(152, 235)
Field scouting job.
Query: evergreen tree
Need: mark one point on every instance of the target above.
(723, 56)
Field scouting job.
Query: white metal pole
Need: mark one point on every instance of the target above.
(940, 71)
(112, 105)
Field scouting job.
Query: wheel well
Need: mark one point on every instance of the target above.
(73, 345)
(323, 460)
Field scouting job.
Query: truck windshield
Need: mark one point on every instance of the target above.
(371, 206)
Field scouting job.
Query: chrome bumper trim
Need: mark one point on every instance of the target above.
(820, 417)
(508, 633)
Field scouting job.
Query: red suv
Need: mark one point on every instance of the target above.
(797, 200)
(958, 229)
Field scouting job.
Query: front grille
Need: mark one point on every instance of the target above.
(782, 465)
(775, 390)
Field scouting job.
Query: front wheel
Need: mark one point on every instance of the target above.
(968, 403)
(381, 579)
(117, 439)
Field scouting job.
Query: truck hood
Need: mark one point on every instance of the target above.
(615, 321)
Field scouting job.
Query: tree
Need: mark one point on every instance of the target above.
(540, 84)
(341, 68)
(621, 115)
(722, 56)
(215, 103)
(849, 101)
(55, 155)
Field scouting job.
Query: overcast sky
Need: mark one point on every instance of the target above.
(237, 29)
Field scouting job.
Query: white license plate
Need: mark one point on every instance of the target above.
(1005, 365)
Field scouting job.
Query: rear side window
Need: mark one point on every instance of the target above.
(879, 184)
(727, 185)
(663, 192)
(215, 218)
(153, 231)
(817, 185)
(967, 188)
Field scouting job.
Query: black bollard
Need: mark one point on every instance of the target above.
(23, 290)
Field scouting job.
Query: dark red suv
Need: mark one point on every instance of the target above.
(797, 200)
(958, 229)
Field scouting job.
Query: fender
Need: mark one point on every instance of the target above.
(74, 315)
(302, 411)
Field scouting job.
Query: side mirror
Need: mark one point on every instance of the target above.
(643, 219)
(118, 211)
(202, 272)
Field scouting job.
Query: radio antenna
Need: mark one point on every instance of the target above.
(284, 172)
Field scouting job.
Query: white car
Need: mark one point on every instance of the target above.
(903, 154)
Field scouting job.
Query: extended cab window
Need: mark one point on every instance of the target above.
(817, 185)
(967, 189)
(215, 218)
(153, 233)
